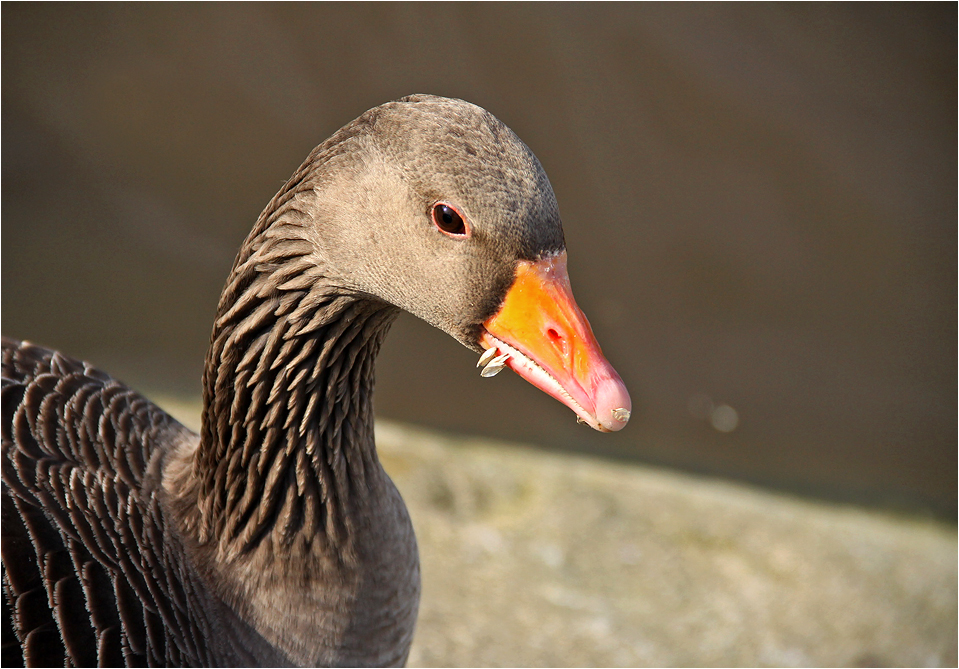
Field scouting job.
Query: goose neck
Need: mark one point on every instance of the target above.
(286, 450)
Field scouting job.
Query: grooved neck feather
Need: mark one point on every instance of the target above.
(287, 442)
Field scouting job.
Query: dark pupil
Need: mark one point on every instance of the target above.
(449, 220)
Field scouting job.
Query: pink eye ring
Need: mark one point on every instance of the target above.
(449, 220)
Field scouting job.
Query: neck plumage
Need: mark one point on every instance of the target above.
(291, 521)
(286, 452)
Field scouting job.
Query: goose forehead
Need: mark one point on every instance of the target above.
(450, 128)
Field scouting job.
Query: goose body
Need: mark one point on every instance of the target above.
(274, 537)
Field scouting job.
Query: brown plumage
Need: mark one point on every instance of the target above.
(274, 537)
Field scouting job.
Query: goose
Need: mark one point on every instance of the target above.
(274, 537)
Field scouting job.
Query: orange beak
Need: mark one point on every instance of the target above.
(542, 335)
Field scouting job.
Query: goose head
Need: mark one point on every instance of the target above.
(435, 206)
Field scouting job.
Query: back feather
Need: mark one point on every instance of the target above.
(92, 575)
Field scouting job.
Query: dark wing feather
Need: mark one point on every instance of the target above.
(89, 576)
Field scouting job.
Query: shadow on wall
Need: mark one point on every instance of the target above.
(759, 205)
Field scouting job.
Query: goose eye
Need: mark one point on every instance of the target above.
(447, 219)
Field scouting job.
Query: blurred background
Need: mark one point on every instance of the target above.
(759, 204)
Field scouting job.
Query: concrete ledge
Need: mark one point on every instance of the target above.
(538, 559)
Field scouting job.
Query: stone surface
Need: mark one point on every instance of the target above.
(541, 559)
(538, 559)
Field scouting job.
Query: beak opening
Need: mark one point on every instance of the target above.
(541, 334)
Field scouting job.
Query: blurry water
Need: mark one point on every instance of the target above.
(759, 202)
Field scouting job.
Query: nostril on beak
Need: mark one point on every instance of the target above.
(558, 341)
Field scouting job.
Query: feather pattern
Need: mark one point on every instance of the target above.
(92, 573)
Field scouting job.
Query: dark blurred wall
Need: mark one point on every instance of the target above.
(759, 202)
